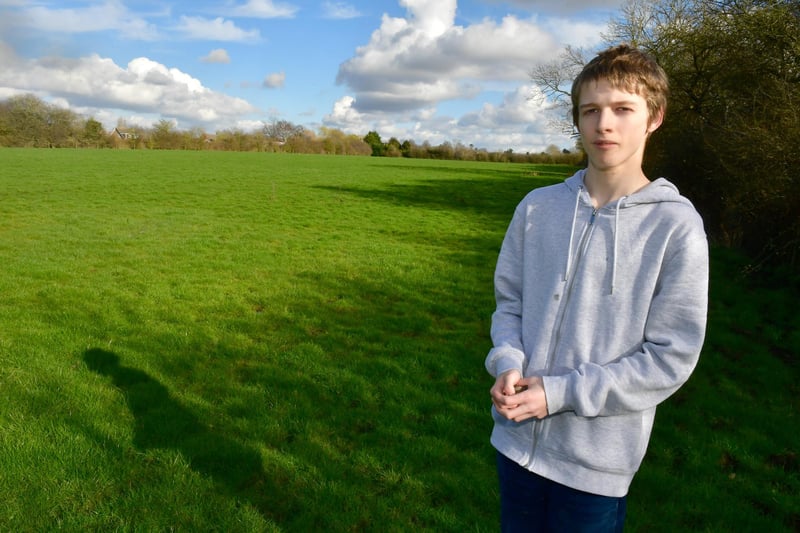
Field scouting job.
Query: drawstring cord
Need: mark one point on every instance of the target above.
(616, 239)
(572, 232)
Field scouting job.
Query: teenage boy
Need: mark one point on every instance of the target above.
(601, 287)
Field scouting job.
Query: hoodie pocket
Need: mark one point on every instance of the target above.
(614, 444)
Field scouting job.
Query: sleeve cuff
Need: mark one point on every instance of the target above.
(555, 390)
(501, 360)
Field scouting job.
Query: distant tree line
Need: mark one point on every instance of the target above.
(731, 141)
(28, 121)
(459, 151)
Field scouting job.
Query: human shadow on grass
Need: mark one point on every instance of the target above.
(161, 422)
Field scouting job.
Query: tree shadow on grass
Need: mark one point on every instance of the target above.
(488, 195)
(161, 422)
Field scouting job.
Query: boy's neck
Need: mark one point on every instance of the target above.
(607, 187)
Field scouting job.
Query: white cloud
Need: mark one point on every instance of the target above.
(497, 51)
(339, 10)
(519, 121)
(250, 125)
(217, 29)
(522, 106)
(426, 58)
(265, 9)
(218, 55)
(344, 116)
(432, 18)
(109, 15)
(8, 92)
(582, 33)
(275, 80)
(143, 86)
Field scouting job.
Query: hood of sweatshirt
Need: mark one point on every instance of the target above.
(657, 191)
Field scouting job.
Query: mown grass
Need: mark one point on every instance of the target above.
(252, 342)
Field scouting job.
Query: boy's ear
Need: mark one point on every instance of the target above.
(655, 121)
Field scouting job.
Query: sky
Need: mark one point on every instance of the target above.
(425, 70)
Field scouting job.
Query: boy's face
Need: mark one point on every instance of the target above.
(614, 126)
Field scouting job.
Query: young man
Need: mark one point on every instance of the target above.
(601, 287)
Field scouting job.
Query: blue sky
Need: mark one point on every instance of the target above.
(425, 70)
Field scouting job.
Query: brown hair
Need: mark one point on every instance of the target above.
(629, 69)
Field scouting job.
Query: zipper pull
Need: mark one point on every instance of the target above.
(594, 212)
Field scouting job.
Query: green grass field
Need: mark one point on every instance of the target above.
(195, 341)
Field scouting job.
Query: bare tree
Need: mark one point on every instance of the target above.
(554, 80)
(282, 130)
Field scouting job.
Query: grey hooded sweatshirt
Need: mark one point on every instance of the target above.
(609, 307)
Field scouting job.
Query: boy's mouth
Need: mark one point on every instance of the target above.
(604, 144)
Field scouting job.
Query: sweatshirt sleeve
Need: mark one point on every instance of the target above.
(673, 337)
(507, 352)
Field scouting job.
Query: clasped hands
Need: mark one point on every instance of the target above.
(529, 402)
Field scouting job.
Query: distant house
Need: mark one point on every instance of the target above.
(125, 133)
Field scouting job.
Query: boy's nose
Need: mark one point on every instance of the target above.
(604, 118)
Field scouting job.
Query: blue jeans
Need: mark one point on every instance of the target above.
(529, 502)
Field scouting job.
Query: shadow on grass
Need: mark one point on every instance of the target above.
(162, 422)
(373, 376)
(488, 194)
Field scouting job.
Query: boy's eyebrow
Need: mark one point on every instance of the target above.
(628, 103)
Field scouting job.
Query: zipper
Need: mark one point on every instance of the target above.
(584, 242)
(587, 233)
